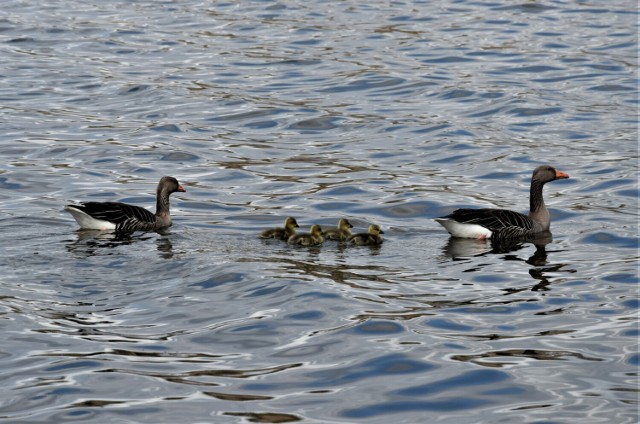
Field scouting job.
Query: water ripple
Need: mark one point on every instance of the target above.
(373, 112)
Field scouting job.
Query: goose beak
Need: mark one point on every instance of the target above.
(180, 188)
(561, 175)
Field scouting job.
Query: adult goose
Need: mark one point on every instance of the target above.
(289, 229)
(341, 233)
(371, 238)
(124, 218)
(505, 224)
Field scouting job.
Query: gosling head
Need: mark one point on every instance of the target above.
(344, 224)
(291, 222)
(375, 230)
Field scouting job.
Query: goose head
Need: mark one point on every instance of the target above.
(545, 173)
(169, 185)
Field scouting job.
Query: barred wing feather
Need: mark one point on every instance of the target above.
(118, 213)
(496, 220)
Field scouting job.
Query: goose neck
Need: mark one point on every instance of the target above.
(162, 203)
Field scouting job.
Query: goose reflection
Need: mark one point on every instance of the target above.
(459, 249)
(94, 243)
(165, 247)
(541, 267)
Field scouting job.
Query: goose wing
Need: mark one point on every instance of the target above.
(118, 213)
(496, 220)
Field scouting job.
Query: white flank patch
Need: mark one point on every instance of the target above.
(460, 229)
(87, 222)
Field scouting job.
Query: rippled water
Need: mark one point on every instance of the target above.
(385, 112)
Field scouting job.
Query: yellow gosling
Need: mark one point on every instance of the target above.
(370, 238)
(313, 238)
(290, 225)
(342, 233)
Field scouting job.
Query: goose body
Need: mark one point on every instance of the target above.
(125, 218)
(342, 233)
(370, 238)
(289, 229)
(312, 238)
(502, 223)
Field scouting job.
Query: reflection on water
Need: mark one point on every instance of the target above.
(165, 247)
(505, 358)
(95, 242)
(92, 242)
(460, 249)
(320, 110)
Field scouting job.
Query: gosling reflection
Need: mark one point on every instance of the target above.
(361, 277)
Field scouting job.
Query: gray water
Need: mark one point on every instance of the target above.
(387, 112)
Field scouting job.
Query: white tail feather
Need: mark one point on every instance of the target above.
(460, 229)
(88, 222)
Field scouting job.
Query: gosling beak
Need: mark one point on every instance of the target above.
(180, 188)
(561, 175)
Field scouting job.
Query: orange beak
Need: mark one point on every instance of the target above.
(561, 175)
(180, 188)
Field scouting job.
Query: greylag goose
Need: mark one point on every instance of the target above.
(370, 238)
(312, 238)
(341, 233)
(124, 218)
(290, 225)
(505, 224)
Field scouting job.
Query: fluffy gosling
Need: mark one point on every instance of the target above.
(313, 238)
(342, 233)
(290, 225)
(370, 238)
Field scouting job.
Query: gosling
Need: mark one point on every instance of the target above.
(290, 225)
(313, 238)
(370, 238)
(342, 233)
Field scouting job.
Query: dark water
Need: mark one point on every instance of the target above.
(385, 112)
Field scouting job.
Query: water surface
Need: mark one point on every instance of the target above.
(393, 113)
